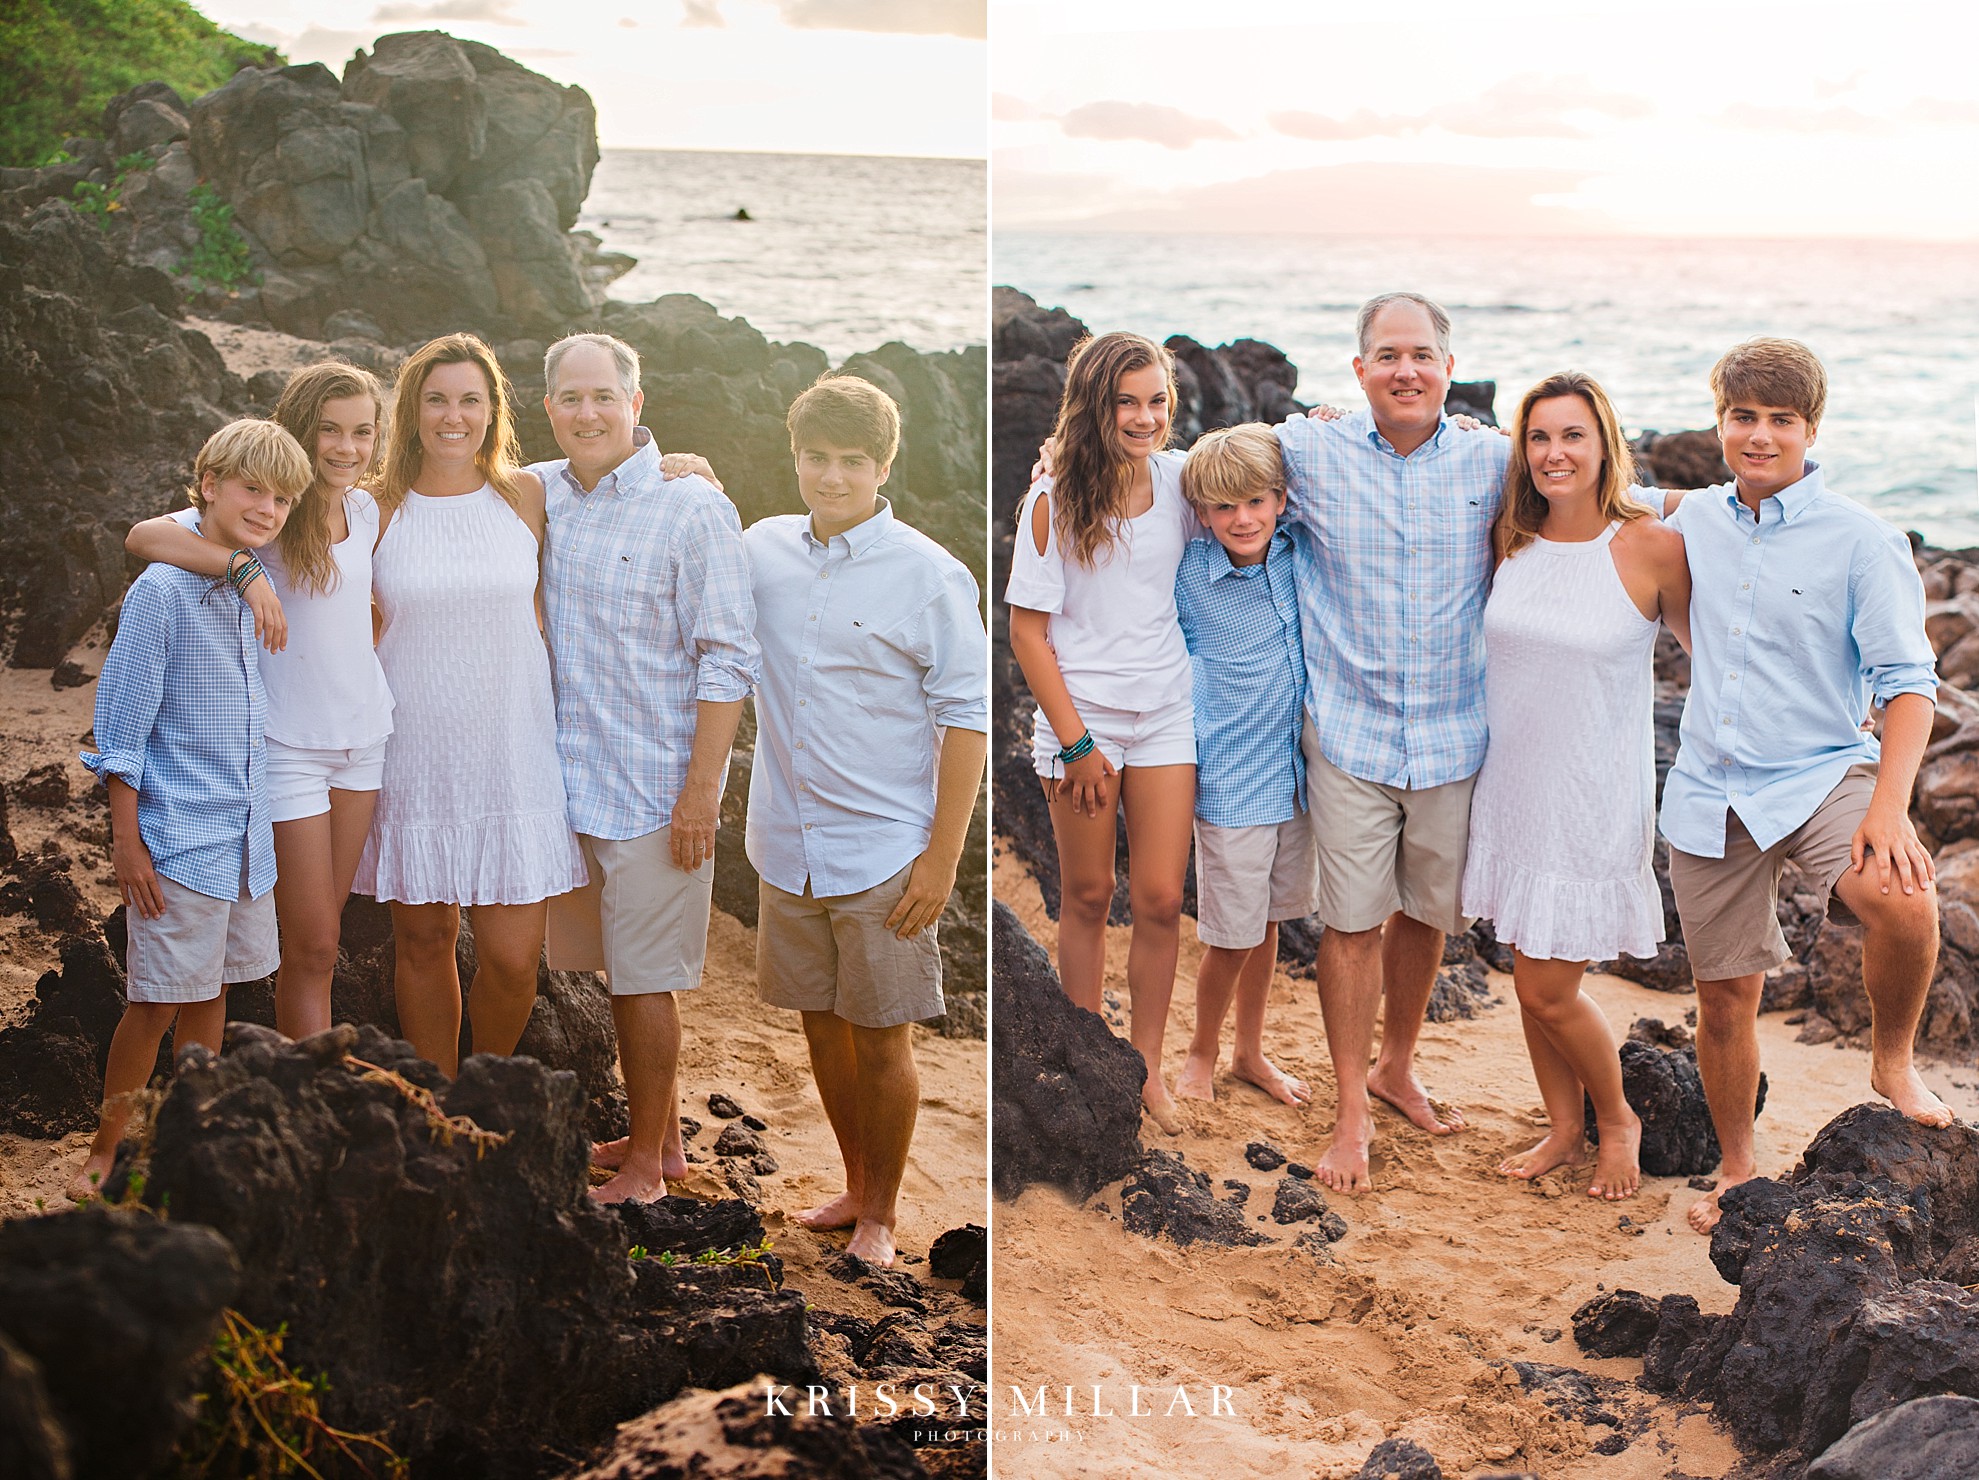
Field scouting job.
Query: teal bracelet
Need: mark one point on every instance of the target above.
(1078, 750)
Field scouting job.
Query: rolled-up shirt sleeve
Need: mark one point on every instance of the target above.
(953, 649)
(1037, 580)
(715, 606)
(131, 688)
(1887, 622)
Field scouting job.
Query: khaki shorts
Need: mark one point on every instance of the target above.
(1387, 848)
(198, 943)
(1729, 906)
(1247, 877)
(835, 954)
(640, 920)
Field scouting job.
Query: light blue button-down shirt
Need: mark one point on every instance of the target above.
(1241, 623)
(179, 717)
(1395, 563)
(647, 598)
(1797, 620)
(872, 641)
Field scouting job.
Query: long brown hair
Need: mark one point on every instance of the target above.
(1523, 511)
(499, 457)
(1089, 471)
(305, 539)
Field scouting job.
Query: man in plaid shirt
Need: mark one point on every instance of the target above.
(1395, 508)
(652, 633)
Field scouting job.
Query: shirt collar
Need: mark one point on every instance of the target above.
(1382, 444)
(1793, 500)
(635, 470)
(862, 536)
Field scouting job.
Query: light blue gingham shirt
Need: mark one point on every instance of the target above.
(1241, 623)
(646, 593)
(1797, 620)
(872, 641)
(179, 717)
(1395, 563)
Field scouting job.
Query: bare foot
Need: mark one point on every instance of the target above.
(611, 1156)
(1705, 1212)
(1197, 1079)
(89, 1178)
(1559, 1149)
(1907, 1092)
(1162, 1109)
(1406, 1094)
(1273, 1080)
(1343, 1166)
(1617, 1164)
(873, 1242)
(632, 1184)
(841, 1212)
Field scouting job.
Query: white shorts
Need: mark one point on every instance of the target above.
(198, 943)
(1126, 737)
(1247, 877)
(640, 920)
(300, 781)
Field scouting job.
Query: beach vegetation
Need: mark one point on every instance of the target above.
(221, 257)
(62, 60)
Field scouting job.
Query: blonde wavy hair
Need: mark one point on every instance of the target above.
(305, 539)
(260, 452)
(499, 456)
(1524, 509)
(1089, 471)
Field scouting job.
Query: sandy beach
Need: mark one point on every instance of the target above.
(1448, 1272)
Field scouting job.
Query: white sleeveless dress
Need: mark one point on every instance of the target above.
(1563, 817)
(471, 809)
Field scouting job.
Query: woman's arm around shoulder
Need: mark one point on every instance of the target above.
(1650, 556)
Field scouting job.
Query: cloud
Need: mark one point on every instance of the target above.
(701, 13)
(1944, 112)
(1345, 199)
(915, 17)
(1836, 120)
(1153, 123)
(494, 12)
(627, 23)
(1007, 109)
(332, 48)
(1529, 106)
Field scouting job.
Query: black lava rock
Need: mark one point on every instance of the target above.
(1663, 1087)
(1264, 1156)
(1621, 1323)
(1399, 1459)
(1934, 1438)
(1168, 1198)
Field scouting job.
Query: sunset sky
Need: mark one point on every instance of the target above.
(802, 76)
(1686, 117)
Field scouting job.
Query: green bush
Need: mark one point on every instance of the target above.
(99, 201)
(62, 60)
(221, 256)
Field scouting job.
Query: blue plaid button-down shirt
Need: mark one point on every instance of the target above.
(179, 716)
(1241, 623)
(1395, 562)
(646, 592)
(1797, 620)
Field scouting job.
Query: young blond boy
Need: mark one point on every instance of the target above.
(872, 729)
(1238, 601)
(179, 715)
(1805, 609)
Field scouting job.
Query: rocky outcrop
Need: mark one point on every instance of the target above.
(1924, 1439)
(1852, 1276)
(1065, 1092)
(1662, 1085)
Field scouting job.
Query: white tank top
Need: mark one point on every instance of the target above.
(1113, 624)
(325, 689)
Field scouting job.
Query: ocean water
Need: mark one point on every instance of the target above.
(842, 251)
(1896, 324)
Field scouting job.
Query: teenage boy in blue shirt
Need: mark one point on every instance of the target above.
(179, 715)
(1256, 859)
(1805, 608)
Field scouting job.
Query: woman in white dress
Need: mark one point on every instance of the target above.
(471, 811)
(1563, 816)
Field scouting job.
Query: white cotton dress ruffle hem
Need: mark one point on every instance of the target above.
(1563, 817)
(471, 808)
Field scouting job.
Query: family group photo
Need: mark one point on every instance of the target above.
(1482, 843)
(493, 957)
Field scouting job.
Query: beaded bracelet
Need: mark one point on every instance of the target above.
(249, 571)
(1078, 750)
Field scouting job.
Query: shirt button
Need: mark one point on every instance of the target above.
(1737, 630)
(824, 573)
(813, 617)
(802, 702)
(1731, 675)
(800, 745)
(808, 826)
(1755, 540)
(1738, 793)
(1745, 585)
